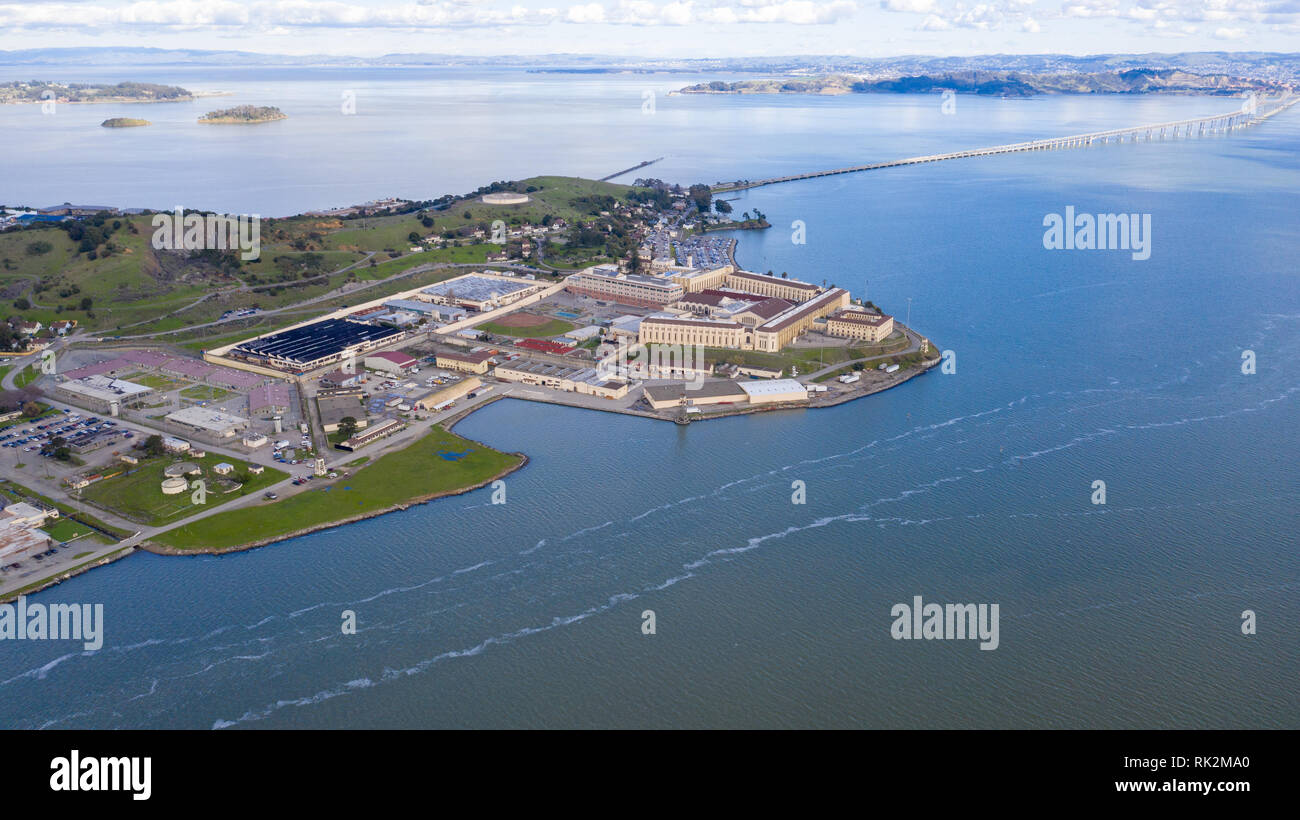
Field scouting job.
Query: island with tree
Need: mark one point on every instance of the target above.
(242, 114)
(124, 122)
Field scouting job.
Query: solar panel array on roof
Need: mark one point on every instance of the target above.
(316, 341)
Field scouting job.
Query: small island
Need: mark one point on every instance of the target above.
(124, 122)
(241, 114)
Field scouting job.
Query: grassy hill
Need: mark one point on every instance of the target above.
(123, 285)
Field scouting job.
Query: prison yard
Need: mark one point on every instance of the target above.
(196, 402)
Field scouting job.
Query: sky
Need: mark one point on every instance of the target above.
(658, 28)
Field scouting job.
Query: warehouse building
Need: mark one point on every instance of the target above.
(442, 313)
(664, 396)
(434, 399)
(774, 391)
(333, 409)
(480, 291)
(104, 394)
(585, 380)
(391, 361)
(314, 345)
(476, 362)
(212, 422)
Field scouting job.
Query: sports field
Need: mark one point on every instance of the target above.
(524, 324)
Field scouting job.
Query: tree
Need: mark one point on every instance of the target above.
(86, 303)
(31, 409)
(347, 427)
(153, 445)
(22, 304)
(722, 206)
(413, 237)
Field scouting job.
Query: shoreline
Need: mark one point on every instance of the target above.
(163, 549)
(450, 423)
(54, 580)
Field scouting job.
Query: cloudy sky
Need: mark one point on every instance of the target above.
(658, 28)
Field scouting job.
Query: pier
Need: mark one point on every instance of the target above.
(636, 167)
(1200, 126)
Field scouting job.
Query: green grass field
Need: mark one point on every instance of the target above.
(206, 392)
(65, 530)
(554, 327)
(157, 381)
(137, 494)
(419, 469)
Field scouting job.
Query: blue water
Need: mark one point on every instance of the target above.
(970, 487)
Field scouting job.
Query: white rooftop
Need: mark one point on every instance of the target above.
(772, 386)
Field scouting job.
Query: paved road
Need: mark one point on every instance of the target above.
(831, 368)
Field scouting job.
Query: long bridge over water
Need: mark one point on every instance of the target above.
(1200, 126)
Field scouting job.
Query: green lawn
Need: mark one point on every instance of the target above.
(16, 492)
(419, 469)
(137, 495)
(28, 375)
(157, 381)
(64, 529)
(206, 392)
(554, 327)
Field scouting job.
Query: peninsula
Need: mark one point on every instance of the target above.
(319, 384)
(42, 91)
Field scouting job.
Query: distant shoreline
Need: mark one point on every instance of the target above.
(198, 95)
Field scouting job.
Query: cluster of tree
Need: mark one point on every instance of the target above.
(304, 265)
(251, 113)
(90, 234)
(593, 204)
(23, 399)
(701, 195)
(656, 196)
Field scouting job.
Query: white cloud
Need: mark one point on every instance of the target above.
(290, 14)
(915, 6)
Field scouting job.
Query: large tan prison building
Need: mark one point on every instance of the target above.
(858, 324)
(605, 282)
(660, 330)
(772, 286)
(780, 331)
(770, 336)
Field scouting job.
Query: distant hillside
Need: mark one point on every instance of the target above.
(1001, 83)
(1280, 66)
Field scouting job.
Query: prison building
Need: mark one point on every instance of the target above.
(604, 282)
(772, 286)
(859, 324)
